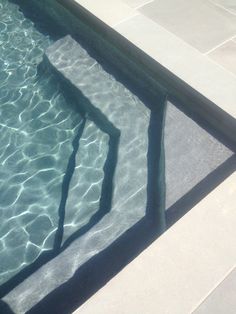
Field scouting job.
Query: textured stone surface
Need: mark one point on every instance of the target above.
(191, 153)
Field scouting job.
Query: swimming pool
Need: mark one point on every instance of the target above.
(58, 155)
(82, 156)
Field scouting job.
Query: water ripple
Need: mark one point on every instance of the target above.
(37, 129)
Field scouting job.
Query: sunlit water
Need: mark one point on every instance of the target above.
(73, 155)
(37, 127)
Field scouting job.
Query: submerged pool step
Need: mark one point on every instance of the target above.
(85, 188)
(118, 209)
(123, 118)
(124, 111)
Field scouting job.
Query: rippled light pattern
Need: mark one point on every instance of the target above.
(83, 199)
(37, 127)
(66, 177)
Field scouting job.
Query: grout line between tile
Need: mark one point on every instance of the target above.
(218, 46)
(142, 5)
(212, 290)
(220, 65)
(125, 19)
(222, 7)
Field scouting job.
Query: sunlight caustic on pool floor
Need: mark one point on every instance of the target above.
(80, 153)
(37, 127)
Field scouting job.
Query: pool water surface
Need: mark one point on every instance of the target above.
(37, 126)
(68, 155)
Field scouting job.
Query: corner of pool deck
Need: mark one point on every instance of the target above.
(191, 267)
(183, 268)
(190, 60)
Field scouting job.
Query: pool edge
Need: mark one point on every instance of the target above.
(194, 92)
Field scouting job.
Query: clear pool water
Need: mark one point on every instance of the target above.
(38, 125)
(73, 161)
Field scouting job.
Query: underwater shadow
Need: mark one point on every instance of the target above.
(4, 308)
(44, 25)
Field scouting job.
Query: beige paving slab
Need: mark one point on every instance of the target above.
(225, 55)
(111, 12)
(187, 63)
(198, 22)
(223, 299)
(137, 3)
(229, 5)
(180, 269)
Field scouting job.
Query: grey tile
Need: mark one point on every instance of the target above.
(222, 300)
(227, 4)
(194, 68)
(225, 55)
(198, 22)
